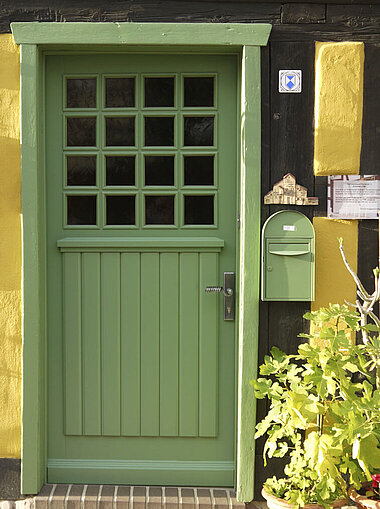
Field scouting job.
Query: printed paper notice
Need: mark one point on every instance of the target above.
(353, 196)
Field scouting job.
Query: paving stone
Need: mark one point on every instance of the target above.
(187, 500)
(203, 498)
(122, 497)
(171, 498)
(42, 499)
(220, 499)
(139, 497)
(154, 498)
(234, 503)
(74, 497)
(90, 500)
(57, 501)
(106, 497)
(80, 496)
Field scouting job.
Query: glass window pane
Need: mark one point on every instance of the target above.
(199, 209)
(198, 91)
(159, 131)
(81, 210)
(159, 170)
(199, 131)
(120, 170)
(81, 170)
(120, 131)
(81, 131)
(159, 209)
(120, 92)
(159, 92)
(199, 170)
(81, 93)
(120, 210)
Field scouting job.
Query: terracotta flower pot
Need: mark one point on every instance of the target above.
(361, 500)
(279, 503)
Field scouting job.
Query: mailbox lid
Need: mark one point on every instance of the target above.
(288, 224)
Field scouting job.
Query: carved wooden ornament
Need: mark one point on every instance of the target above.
(288, 192)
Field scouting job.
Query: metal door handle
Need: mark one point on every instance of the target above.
(228, 291)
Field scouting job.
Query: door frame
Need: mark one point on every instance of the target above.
(38, 38)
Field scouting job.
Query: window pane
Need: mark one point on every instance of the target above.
(199, 209)
(120, 131)
(159, 92)
(159, 170)
(120, 92)
(120, 170)
(199, 91)
(81, 210)
(159, 131)
(199, 131)
(120, 210)
(159, 209)
(81, 170)
(81, 93)
(81, 131)
(199, 170)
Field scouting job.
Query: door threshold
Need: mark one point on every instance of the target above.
(106, 496)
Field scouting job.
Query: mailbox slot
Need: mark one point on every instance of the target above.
(289, 249)
(288, 258)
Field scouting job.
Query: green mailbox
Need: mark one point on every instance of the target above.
(288, 257)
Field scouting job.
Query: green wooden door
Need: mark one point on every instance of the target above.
(141, 189)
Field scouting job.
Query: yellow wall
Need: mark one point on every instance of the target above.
(338, 108)
(10, 251)
(333, 282)
(339, 69)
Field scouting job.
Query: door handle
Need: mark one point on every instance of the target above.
(228, 291)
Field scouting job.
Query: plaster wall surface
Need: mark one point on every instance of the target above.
(339, 70)
(333, 282)
(10, 250)
(338, 111)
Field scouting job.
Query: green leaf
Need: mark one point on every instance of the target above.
(367, 452)
(349, 366)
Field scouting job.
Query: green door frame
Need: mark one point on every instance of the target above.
(37, 38)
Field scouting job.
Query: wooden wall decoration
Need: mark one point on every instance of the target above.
(288, 192)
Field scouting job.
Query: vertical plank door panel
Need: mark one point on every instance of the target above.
(72, 342)
(92, 424)
(208, 346)
(169, 344)
(150, 344)
(110, 320)
(130, 343)
(188, 356)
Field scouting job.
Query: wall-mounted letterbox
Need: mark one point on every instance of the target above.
(287, 257)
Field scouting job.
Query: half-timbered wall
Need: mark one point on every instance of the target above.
(287, 146)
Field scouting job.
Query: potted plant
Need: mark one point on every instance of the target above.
(325, 407)
(366, 447)
(317, 412)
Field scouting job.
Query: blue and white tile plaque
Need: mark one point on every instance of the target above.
(290, 81)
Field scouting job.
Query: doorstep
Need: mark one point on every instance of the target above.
(83, 496)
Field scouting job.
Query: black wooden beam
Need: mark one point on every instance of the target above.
(324, 32)
(370, 152)
(303, 13)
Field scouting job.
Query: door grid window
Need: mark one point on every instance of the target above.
(140, 151)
